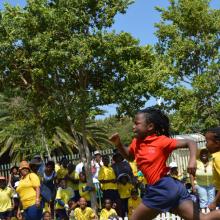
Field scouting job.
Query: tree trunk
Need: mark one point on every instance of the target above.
(83, 152)
(88, 169)
(82, 144)
(45, 142)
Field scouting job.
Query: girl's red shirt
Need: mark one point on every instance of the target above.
(151, 155)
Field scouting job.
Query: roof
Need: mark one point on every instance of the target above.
(197, 137)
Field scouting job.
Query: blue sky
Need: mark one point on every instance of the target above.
(139, 21)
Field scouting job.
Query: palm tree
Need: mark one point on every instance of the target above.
(23, 135)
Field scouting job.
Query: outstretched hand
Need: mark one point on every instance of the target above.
(115, 139)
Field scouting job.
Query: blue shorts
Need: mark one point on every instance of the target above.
(61, 214)
(33, 213)
(166, 194)
(6, 214)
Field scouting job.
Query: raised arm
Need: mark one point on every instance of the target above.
(185, 143)
(115, 139)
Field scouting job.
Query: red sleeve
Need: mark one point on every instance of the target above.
(132, 147)
(169, 144)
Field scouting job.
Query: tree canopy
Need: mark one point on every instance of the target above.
(188, 44)
(59, 58)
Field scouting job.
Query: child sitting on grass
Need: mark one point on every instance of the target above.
(83, 212)
(108, 211)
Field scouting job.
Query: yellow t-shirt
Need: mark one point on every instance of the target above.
(132, 205)
(57, 167)
(142, 179)
(105, 214)
(134, 168)
(125, 190)
(62, 172)
(84, 194)
(86, 214)
(65, 195)
(73, 175)
(216, 170)
(26, 189)
(107, 173)
(204, 176)
(5, 199)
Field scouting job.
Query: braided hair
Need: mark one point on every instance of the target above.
(216, 132)
(159, 119)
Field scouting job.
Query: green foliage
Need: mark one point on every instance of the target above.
(188, 44)
(121, 125)
(58, 57)
(19, 134)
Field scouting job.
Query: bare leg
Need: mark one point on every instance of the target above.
(143, 212)
(187, 211)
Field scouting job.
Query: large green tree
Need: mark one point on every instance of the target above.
(61, 59)
(188, 45)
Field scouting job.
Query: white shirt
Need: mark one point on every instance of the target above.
(79, 167)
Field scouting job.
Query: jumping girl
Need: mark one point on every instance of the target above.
(151, 148)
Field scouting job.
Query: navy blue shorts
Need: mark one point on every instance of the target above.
(7, 214)
(61, 214)
(166, 194)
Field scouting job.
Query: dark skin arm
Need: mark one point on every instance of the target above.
(37, 203)
(192, 146)
(192, 180)
(115, 139)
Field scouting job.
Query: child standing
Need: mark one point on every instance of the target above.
(73, 180)
(151, 148)
(107, 179)
(108, 211)
(84, 188)
(62, 171)
(5, 200)
(133, 202)
(213, 145)
(124, 189)
(203, 181)
(63, 196)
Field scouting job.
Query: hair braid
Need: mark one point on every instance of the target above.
(159, 119)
